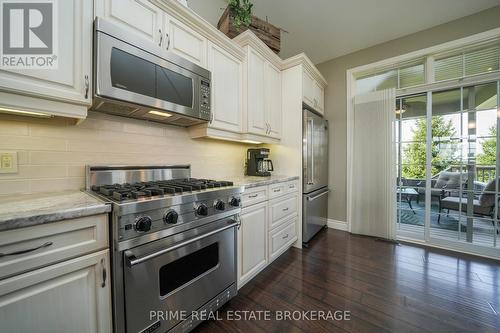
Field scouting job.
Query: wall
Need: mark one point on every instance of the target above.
(53, 153)
(335, 73)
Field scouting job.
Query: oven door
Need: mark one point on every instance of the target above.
(178, 273)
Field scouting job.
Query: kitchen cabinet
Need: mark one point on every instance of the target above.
(313, 92)
(77, 290)
(67, 89)
(185, 42)
(55, 242)
(307, 88)
(226, 89)
(262, 89)
(256, 90)
(137, 16)
(252, 242)
(273, 100)
(56, 270)
(269, 219)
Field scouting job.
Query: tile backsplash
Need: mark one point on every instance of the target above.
(52, 153)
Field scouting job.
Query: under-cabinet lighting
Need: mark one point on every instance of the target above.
(159, 113)
(251, 141)
(24, 113)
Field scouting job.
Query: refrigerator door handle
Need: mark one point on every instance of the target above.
(310, 147)
(318, 195)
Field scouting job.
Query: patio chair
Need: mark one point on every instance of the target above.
(444, 184)
(484, 204)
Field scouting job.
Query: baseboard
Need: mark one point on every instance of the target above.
(339, 225)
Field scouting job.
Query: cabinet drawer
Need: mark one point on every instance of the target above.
(277, 190)
(281, 238)
(50, 243)
(292, 186)
(253, 196)
(281, 209)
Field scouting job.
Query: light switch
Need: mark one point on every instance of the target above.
(8, 161)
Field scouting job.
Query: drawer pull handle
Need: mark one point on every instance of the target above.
(277, 190)
(104, 274)
(26, 251)
(285, 209)
(285, 237)
(253, 196)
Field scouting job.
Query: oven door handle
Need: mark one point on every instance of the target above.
(131, 260)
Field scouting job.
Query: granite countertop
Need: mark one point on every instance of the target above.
(19, 211)
(254, 181)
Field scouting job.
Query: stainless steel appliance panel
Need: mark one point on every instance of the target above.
(315, 210)
(139, 77)
(175, 274)
(315, 152)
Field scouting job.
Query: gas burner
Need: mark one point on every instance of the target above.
(126, 191)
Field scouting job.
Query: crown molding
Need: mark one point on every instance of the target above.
(188, 17)
(248, 38)
(303, 59)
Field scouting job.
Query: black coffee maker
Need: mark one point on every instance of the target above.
(258, 163)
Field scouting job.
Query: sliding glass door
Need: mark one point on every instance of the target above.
(447, 165)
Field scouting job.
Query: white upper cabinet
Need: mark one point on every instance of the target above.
(256, 90)
(138, 16)
(70, 82)
(185, 42)
(313, 92)
(307, 88)
(319, 97)
(273, 100)
(226, 89)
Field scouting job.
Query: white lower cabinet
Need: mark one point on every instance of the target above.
(268, 227)
(252, 242)
(72, 296)
(281, 238)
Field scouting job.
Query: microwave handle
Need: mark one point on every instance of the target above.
(131, 260)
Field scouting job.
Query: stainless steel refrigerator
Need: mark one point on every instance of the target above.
(315, 174)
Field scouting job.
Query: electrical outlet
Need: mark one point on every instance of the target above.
(8, 161)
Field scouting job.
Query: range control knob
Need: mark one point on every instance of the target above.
(143, 223)
(202, 210)
(235, 202)
(170, 217)
(220, 205)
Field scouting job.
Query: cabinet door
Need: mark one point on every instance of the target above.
(71, 80)
(273, 100)
(307, 88)
(256, 99)
(137, 16)
(252, 243)
(226, 89)
(72, 296)
(185, 42)
(318, 101)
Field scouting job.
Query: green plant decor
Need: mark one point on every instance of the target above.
(240, 12)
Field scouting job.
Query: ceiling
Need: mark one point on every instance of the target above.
(326, 29)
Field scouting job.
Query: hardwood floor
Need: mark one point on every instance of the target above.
(386, 288)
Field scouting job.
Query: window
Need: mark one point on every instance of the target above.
(473, 62)
(405, 76)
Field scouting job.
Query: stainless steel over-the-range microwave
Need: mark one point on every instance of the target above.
(134, 77)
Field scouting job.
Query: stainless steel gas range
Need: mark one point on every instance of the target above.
(173, 244)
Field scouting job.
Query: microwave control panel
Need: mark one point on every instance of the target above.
(205, 111)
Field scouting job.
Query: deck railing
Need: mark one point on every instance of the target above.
(483, 173)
